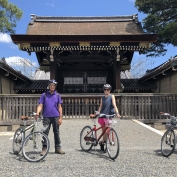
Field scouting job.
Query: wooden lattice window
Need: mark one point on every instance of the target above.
(73, 80)
(96, 80)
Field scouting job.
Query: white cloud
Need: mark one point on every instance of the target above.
(22, 64)
(5, 38)
(48, 4)
(19, 61)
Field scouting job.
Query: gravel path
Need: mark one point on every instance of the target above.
(139, 155)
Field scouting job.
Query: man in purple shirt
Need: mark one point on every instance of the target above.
(50, 102)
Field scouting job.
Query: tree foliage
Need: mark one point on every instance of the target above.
(9, 15)
(162, 20)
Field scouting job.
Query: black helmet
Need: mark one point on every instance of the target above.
(52, 81)
(107, 86)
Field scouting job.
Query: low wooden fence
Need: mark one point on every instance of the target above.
(145, 107)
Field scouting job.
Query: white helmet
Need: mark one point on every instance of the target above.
(107, 86)
(52, 81)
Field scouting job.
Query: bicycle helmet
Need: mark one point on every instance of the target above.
(52, 81)
(107, 86)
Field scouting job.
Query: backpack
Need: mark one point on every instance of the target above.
(57, 94)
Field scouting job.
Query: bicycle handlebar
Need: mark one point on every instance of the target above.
(106, 116)
(165, 114)
(32, 114)
(101, 115)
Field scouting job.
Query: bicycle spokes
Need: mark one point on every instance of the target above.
(32, 146)
(112, 144)
(86, 138)
(17, 141)
(168, 143)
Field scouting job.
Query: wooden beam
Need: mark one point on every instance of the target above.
(117, 83)
(53, 67)
(23, 45)
(19, 38)
(145, 44)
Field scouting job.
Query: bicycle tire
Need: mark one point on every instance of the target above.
(17, 141)
(168, 143)
(32, 146)
(112, 144)
(86, 138)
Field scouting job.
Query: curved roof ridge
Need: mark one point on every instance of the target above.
(160, 69)
(120, 18)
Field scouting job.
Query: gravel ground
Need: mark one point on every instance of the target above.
(139, 155)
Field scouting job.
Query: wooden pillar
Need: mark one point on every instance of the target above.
(117, 69)
(53, 70)
(53, 66)
(117, 83)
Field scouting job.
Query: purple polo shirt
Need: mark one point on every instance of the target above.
(50, 104)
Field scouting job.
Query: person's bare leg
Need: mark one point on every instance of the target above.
(104, 136)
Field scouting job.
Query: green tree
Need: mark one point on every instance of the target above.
(9, 15)
(162, 20)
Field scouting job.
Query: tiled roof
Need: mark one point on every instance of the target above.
(133, 85)
(114, 25)
(169, 64)
(42, 75)
(33, 85)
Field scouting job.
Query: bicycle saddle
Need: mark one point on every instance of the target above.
(24, 117)
(93, 116)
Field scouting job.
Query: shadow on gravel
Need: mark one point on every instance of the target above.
(175, 152)
(158, 152)
(98, 153)
(20, 158)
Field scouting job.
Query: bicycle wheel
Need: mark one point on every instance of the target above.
(168, 143)
(32, 146)
(112, 144)
(17, 141)
(86, 138)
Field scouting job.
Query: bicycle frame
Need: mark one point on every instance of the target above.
(95, 129)
(90, 136)
(25, 129)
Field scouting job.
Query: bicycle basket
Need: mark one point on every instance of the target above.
(39, 125)
(110, 122)
(172, 122)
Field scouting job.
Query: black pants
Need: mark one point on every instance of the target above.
(47, 121)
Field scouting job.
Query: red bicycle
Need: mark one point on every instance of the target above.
(89, 138)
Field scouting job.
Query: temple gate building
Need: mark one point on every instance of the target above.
(83, 53)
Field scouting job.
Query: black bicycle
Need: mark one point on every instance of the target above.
(168, 141)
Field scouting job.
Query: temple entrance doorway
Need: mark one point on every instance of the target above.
(84, 81)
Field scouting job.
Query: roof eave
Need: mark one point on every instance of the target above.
(23, 38)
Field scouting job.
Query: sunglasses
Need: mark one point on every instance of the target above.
(52, 85)
(106, 89)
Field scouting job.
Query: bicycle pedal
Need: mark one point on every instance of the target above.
(88, 143)
(95, 143)
(112, 143)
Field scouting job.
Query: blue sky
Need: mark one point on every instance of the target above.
(73, 8)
